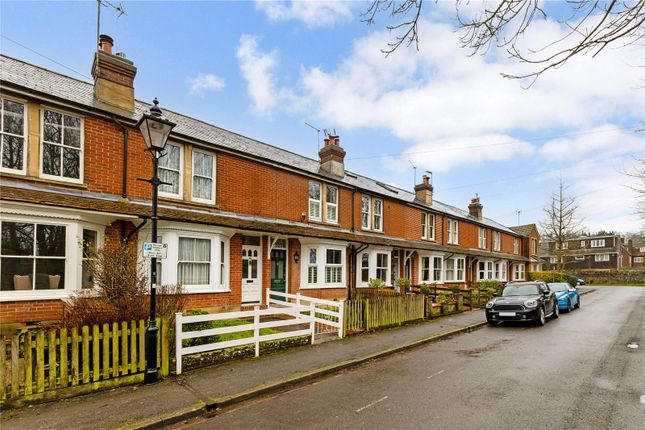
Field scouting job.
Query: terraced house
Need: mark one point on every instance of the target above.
(239, 216)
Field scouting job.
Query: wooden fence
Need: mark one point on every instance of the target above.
(373, 313)
(56, 363)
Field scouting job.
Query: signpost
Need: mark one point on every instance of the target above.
(155, 250)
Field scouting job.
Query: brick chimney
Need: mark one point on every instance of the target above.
(423, 191)
(475, 208)
(332, 157)
(113, 77)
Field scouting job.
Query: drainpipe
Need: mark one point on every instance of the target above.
(124, 186)
(353, 197)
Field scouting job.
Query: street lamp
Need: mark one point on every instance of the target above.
(155, 130)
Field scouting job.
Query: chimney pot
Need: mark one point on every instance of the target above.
(426, 179)
(475, 208)
(332, 157)
(106, 43)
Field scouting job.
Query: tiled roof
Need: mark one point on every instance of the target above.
(21, 74)
(66, 198)
(524, 230)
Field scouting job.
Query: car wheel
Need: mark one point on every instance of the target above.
(569, 307)
(492, 323)
(556, 310)
(541, 320)
(577, 306)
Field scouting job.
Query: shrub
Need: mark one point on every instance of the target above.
(403, 284)
(120, 290)
(489, 285)
(425, 290)
(377, 283)
(441, 298)
(455, 289)
(552, 277)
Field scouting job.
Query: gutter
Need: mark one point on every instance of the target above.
(124, 184)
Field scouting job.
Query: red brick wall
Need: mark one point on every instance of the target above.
(31, 311)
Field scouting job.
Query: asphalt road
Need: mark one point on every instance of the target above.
(574, 373)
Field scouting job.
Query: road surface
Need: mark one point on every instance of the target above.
(577, 372)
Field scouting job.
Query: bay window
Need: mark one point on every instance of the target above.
(312, 266)
(13, 134)
(194, 261)
(374, 263)
(365, 268)
(518, 273)
(203, 177)
(454, 269)
(88, 247)
(61, 146)
(382, 266)
(334, 267)
(485, 270)
(430, 268)
(171, 171)
(324, 266)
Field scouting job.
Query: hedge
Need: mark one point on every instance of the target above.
(553, 277)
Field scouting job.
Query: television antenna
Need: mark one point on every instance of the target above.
(519, 212)
(105, 3)
(415, 172)
(317, 133)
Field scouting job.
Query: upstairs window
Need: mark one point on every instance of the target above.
(533, 246)
(497, 241)
(598, 243)
(314, 201)
(331, 204)
(516, 246)
(371, 213)
(170, 170)
(583, 244)
(62, 146)
(427, 226)
(482, 238)
(453, 232)
(203, 177)
(13, 132)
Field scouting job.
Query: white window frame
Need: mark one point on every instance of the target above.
(519, 272)
(583, 244)
(321, 262)
(25, 135)
(516, 246)
(81, 148)
(376, 215)
(565, 245)
(497, 241)
(553, 260)
(180, 195)
(312, 267)
(427, 226)
(192, 171)
(601, 258)
(430, 258)
(334, 266)
(579, 257)
(638, 259)
(453, 232)
(367, 226)
(330, 205)
(315, 203)
(171, 232)
(534, 246)
(597, 243)
(371, 253)
(481, 238)
(641, 249)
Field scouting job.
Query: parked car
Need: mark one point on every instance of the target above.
(522, 301)
(568, 297)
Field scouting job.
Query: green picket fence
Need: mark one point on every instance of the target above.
(381, 312)
(55, 363)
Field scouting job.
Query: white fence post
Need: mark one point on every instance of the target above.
(268, 298)
(297, 299)
(312, 324)
(178, 341)
(341, 318)
(256, 329)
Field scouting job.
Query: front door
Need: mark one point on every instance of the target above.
(251, 274)
(279, 271)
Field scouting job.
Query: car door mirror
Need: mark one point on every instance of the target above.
(495, 294)
(546, 293)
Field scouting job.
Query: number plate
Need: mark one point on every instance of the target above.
(507, 314)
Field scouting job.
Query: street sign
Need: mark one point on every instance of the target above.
(155, 250)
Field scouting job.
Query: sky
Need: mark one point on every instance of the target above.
(263, 69)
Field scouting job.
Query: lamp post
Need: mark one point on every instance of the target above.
(155, 130)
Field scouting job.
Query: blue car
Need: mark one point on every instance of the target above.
(567, 296)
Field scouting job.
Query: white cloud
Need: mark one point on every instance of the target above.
(204, 82)
(258, 69)
(312, 13)
(605, 140)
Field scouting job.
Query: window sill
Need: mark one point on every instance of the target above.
(41, 180)
(323, 287)
(32, 295)
(195, 290)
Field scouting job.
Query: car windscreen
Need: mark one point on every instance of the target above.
(520, 290)
(558, 286)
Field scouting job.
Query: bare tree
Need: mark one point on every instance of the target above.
(592, 25)
(639, 173)
(561, 222)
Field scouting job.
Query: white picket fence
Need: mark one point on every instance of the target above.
(287, 316)
(327, 313)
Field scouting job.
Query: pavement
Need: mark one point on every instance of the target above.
(201, 391)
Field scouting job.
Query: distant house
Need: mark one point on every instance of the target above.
(634, 252)
(599, 252)
(530, 245)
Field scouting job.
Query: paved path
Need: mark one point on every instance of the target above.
(575, 372)
(132, 407)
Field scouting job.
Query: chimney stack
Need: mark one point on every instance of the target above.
(332, 157)
(423, 191)
(113, 77)
(475, 209)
